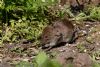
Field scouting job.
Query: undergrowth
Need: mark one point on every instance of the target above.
(25, 19)
(41, 60)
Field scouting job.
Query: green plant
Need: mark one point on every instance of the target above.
(96, 64)
(81, 48)
(41, 60)
(95, 13)
(23, 29)
(95, 56)
(92, 13)
(24, 64)
(23, 19)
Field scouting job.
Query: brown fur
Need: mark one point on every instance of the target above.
(59, 31)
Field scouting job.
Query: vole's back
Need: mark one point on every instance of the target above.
(65, 27)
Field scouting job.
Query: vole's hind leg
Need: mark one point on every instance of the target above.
(48, 49)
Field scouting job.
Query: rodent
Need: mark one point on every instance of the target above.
(59, 31)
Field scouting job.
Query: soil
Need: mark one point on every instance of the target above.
(78, 54)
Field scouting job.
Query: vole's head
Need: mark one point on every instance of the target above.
(49, 36)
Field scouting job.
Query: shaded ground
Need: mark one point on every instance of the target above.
(78, 54)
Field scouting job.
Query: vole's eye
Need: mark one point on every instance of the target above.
(46, 36)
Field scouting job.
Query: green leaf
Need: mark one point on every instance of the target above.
(96, 64)
(43, 61)
(41, 58)
(24, 64)
(50, 63)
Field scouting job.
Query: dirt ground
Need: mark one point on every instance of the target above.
(78, 54)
